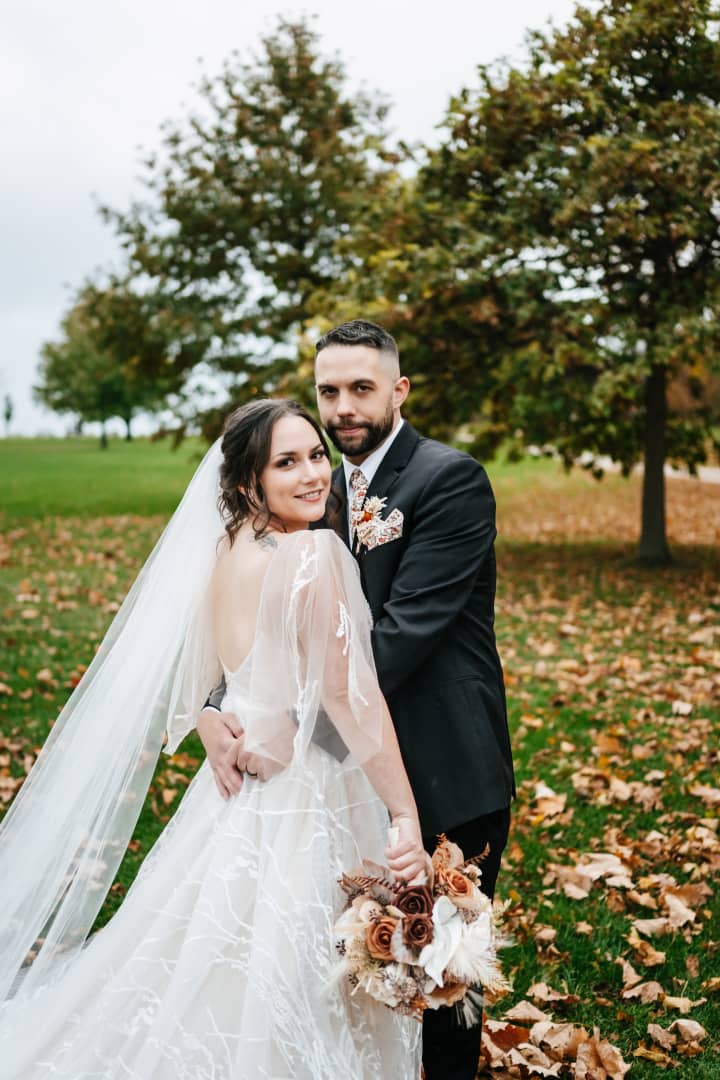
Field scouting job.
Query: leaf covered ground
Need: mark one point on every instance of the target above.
(613, 677)
(614, 684)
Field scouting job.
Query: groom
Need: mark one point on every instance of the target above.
(427, 566)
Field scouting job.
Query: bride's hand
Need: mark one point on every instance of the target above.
(407, 858)
(254, 765)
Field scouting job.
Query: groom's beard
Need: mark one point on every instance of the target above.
(365, 441)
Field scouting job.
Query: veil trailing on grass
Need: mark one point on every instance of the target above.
(66, 832)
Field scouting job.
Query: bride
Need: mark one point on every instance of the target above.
(220, 963)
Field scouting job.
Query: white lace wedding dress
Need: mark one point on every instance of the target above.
(220, 964)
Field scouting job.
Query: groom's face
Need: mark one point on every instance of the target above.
(359, 394)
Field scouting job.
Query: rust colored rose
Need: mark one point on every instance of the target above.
(415, 900)
(378, 938)
(459, 888)
(417, 931)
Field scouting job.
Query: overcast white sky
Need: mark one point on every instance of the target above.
(85, 86)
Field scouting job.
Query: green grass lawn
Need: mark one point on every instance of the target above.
(598, 653)
(74, 477)
(41, 477)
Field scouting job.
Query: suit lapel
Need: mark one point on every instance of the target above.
(340, 523)
(389, 470)
(394, 462)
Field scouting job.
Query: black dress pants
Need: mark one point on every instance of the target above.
(451, 1051)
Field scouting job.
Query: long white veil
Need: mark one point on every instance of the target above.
(63, 838)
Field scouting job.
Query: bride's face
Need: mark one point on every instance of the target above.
(296, 479)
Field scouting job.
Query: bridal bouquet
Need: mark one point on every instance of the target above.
(417, 947)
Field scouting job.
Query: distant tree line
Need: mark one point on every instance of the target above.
(551, 269)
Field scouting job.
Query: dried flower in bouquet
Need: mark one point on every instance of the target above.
(417, 947)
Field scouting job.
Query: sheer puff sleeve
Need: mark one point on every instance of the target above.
(312, 655)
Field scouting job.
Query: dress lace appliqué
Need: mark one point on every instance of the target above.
(220, 964)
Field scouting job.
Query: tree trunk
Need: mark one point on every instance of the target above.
(103, 436)
(653, 547)
(128, 430)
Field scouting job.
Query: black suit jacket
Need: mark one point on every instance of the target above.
(432, 594)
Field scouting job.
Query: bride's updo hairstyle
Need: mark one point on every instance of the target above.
(246, 443)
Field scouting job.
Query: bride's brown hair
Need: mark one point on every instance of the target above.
(247, 438)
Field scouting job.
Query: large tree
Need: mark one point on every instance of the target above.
(247, 200)
(82, 375)
(556, 266)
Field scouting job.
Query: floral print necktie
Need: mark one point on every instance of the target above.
(359, 485)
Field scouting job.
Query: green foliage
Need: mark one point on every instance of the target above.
(89, 375)
(551, 270)
(247, 202)
(146, 337)
(555, 268)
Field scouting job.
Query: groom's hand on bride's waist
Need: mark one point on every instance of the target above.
(220, 733)
(259, 767)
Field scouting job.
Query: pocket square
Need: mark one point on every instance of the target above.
(380, 531)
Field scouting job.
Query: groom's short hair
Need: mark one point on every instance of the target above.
(360, 332)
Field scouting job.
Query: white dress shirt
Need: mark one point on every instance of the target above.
(369, 467)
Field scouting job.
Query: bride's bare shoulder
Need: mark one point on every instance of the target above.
(313, 539)
(248, 557)
(242, 561)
